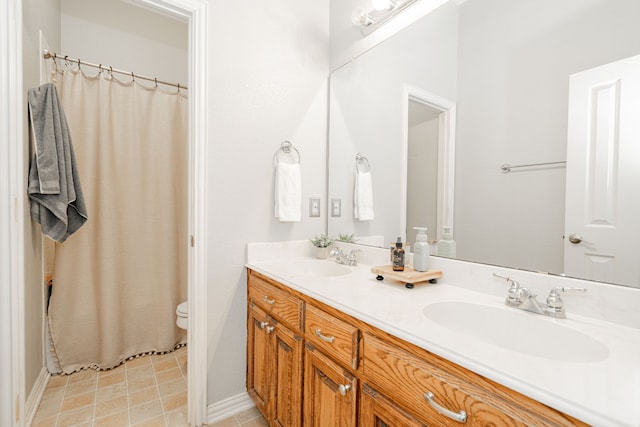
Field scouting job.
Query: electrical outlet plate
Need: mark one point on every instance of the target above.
(336, 207)
(314, 206)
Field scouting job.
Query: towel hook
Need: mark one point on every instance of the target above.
(286, 148)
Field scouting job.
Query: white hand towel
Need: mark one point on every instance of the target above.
(363, 196)
(288, 192)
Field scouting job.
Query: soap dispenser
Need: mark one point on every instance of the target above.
(447, 246)
(398, 256)
(421, 250)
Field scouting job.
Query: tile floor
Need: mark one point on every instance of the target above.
(146, 391)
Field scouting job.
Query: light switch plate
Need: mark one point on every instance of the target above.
(314, 206)
(336, 207)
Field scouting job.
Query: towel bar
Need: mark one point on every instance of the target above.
(286, 148)
(362, 161)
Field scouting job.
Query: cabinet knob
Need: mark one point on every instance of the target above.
(270, 329)
(268, 300)
(344, 388)
(263, 325)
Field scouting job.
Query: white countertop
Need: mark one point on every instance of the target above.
(604, 393)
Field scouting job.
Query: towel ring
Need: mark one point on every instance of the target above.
(364, 162)
(285, 150)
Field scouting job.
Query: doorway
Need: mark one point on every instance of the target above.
(429, 147)
(13, 217)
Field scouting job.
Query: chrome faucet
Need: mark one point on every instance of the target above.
(524, 299)
(341, 258)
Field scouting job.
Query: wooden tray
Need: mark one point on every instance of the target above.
(409, 276)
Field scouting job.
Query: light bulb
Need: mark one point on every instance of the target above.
(361, 18)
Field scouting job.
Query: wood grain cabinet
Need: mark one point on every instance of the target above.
(309, 364)
(274, 366)
(378, 411)
(330, 392)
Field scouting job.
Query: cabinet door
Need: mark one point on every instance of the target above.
(378, 411)
(258, 344)
(329, 392)
(286, 397)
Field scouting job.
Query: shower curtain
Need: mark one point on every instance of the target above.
(118, 280)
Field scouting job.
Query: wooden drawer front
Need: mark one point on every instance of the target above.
(407, 378)
(276, 302)
(336, 338)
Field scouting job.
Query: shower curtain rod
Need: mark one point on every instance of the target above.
(52, 55)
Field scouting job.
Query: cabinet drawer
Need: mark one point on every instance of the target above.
(407, 379)
(336, 338)
(276, 302)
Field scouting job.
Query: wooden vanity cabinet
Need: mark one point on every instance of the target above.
(313, 365)
(330, 392)
(274, 358)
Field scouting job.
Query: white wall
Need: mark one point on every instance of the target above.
(126, 37)
(37, 15)
(512, 68)
(270, 63)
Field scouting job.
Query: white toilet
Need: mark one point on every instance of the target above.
(182, 315)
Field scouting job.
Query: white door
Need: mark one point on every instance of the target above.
(602, 214)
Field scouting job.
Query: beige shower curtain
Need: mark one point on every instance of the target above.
(118, 280)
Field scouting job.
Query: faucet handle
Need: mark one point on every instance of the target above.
(353, 253)
(514, 294)
(554, 301)
(335, 251)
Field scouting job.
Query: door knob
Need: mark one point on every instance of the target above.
(575, 238)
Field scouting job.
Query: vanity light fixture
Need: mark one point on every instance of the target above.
(384, 4)
(382, 11)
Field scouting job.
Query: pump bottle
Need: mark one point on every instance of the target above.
(421, 250)
(398, 256)
(447, 246)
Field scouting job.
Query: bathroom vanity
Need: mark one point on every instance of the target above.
(311, 363)
(330, 345)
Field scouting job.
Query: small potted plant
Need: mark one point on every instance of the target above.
(322, 243)
(347, 238)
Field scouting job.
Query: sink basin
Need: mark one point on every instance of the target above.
(516, 330)
(309, 268)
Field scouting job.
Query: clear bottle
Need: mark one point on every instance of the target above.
(447, 246)
(421, 250)
(398, 256)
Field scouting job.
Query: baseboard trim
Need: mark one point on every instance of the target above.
(229, 407)
(32, 403)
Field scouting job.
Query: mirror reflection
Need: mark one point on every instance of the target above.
(503, 70)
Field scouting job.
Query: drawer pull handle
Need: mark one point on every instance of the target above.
(461, 416)
(268, 301)
(324, 337)
(344, 388)
(270, 329)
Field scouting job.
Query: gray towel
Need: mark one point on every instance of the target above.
(54, 186)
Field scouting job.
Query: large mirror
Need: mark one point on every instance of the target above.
(490, 80)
